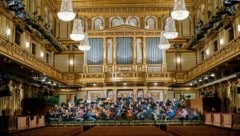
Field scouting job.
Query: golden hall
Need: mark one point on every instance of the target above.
(119, 67)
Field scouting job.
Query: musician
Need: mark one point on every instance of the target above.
(90, 116)
(142, 115)
(155, 114)
(149, 112)
(67, 115)
(51, 115)
(184, 114)
(130, 114)
(96, 112)
(102, 114)
(170, 114)
(118, 113)
(108, 113)
(80, 115)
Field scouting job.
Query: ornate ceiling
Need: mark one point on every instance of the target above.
(103, 8)
(79, 4)
(99, 3)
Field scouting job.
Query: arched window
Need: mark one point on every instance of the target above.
(133, 21)
(150, 23)
(98, 24)
(116, 21)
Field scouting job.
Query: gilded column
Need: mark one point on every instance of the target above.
(142, 22)
(85, 69)
(145, 93)
(114, 53)
(106, 24)
(144, 52)
(165, 92)
(134, 47)
(164, 64)
(57, 28)
(134, 96)
(104, 93)
(104, 54)
(114, 94)
(84, 94)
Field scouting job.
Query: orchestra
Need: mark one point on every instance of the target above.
(124, 108)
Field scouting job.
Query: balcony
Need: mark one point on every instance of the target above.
(229, 52)
(20, 59)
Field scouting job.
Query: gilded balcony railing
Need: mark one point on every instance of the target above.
(226, 53)
(125, 76)
(21, 56)
(160, 77)
(118, 73)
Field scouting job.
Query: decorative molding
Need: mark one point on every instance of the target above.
(228, 52)
(21, 56)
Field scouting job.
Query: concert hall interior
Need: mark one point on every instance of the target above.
(119, 67)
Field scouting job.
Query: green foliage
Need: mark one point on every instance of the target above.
(52, 100)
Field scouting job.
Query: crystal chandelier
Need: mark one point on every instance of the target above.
(66, 11)
(170, 29)
(163, 43)
(179, 10)
(84, 44)
(77, 31)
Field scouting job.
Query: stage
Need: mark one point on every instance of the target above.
(125, 122)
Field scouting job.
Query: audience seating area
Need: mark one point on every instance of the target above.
(201, 131)
(125, 131)
(51, 131)
(128, 130)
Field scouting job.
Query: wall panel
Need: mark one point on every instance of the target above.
(62, 62)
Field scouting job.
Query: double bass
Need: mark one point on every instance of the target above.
(130, 114)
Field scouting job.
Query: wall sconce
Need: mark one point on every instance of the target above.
(124, 83)
(8, 31)
(178, 60)
(221, 41)
(207, 52)
(200, 80)
(206, 77)
(44, 79)
(54, 83)
(27, 44)
(41, 54)
(212, 75)
(71, 62)
(238, 27)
